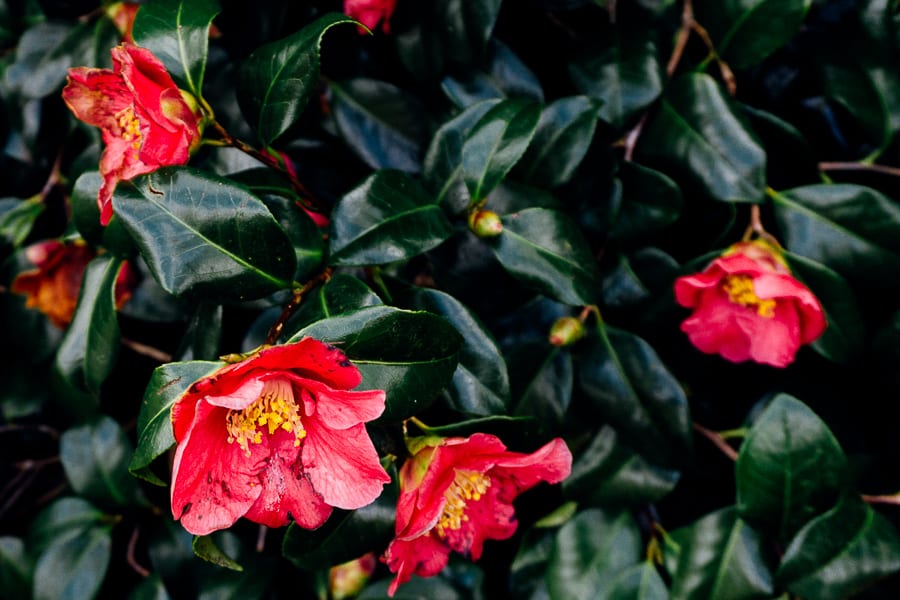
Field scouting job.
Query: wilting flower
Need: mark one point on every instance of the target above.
(53, 286)
(747, 305)
(370, 12)
(277, 434)
(455, 493)
(348, 579)
(146, 121)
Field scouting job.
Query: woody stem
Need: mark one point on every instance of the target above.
(718, 440)
(276, 329)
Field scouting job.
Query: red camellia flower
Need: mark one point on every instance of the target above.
(278, 433)
(146, 121)
(747, 306)
(370, 12)
(54, 285)
(455, 493)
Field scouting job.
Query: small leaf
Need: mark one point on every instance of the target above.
(389, 217)
(16, 567)
(154, 425)
(277, 80)
(206, 548)
(177, 32)
(204, 236)
(73, 568)
(17, 217)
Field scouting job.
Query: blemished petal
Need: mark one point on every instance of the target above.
(490, 518)
(145, 76)
(425, 556)
(342, 465)
(340, 409)
(550, 463)
(213, 482)
(119, 162)
(96, 96)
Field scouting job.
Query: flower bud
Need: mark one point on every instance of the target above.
(348, 579)
(485, 223)
(566, 331)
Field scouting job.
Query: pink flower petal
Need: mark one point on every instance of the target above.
(424, 556)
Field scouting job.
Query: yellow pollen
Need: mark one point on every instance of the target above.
(275, 408)
(740, 291)
(467, 485)
(131, 127)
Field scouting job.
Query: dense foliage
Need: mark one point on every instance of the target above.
(485, 206)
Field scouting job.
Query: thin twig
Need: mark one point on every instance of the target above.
(882, 499)
(129, 554)
(858, 166)
(261, 539)
(278, 326)
(150, 351)
(716, 439)
(54, 178)
(687, 18)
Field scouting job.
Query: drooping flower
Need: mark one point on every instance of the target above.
(371, 12)
(145, 120)
(279, 433)
(455, 493)
(53, 286)
(748, 306)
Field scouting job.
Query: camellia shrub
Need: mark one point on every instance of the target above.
(450, 299)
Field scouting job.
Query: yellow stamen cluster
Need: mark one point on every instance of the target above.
(467, 485)
(740, 291)
(275, 408)
(131, 127)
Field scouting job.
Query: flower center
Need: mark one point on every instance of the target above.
(740, 291)
(467, 485)
(130, 126)
(275, 408)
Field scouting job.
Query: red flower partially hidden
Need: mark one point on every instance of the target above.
(748, 306)
(122, 15)
(53, 286)
(146, 121)
(370, 12)
(455, 493)
(274, 435)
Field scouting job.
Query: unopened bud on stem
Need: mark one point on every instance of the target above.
(566, 331)
(485, 223)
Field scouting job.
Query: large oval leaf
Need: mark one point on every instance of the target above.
(544, 249)
(277, 80)
(73, 568)
(389, 217)
(204, 236)
(503, 75)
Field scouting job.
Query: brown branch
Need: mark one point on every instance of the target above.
(144, 349)
(718, 440)
(129, 554)
(858, 166)
(882, 499)
(292, 306)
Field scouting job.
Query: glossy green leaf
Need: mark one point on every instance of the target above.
(277, 80)
(203, 334)
(16, 567)
(720, 556)
(342, 293)
(177, 32)
(843, 337)
(201, 235)
(841, 552)
(389, 217)
(90, 346)
(502, 75)
(496, 143)
(639, 582)
(564, 133)
(345, 536)
(590, 551)
(206, 548)
(73, 568)
(541, 379)
(869, 92)
(608, 472)
(700, 134)
(302, 231)
(852, 229)
(624, 378)
(154, 426)
(790, 467)
(64, 518)
(385, 126)
(17, 217)
(526, 573)
(412, 368)
(95, 458)
(624, 75)
(480, 385)
(546, 251)
(650, 202)
(747, 31)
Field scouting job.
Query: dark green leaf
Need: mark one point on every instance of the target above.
(747, 31)
(410, 355)
(388, 218)
(202, 235)
(650, 202)
(342, 293)
(203, 334)
(73, 568)
(277, 80)
(17, 217)
(384, 125)
(853, 229)
(177, 32)
(608, 472)
(154, 425)
(590, 551)
(63, 519)
(309, 248)
(86, 217)
(503, 75)
(206, 548)
(639, 582)
(625, 379)
(870, 93)
(564, 134)
(546, 251)
(151, 588)
(480, 384)
(790, 467)
(702, 136)
(15, 567)
(841, 552)
(88, 351)
(624, 75)
(496, 142)
(541, 378)
(720, 556)
(95, 458)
